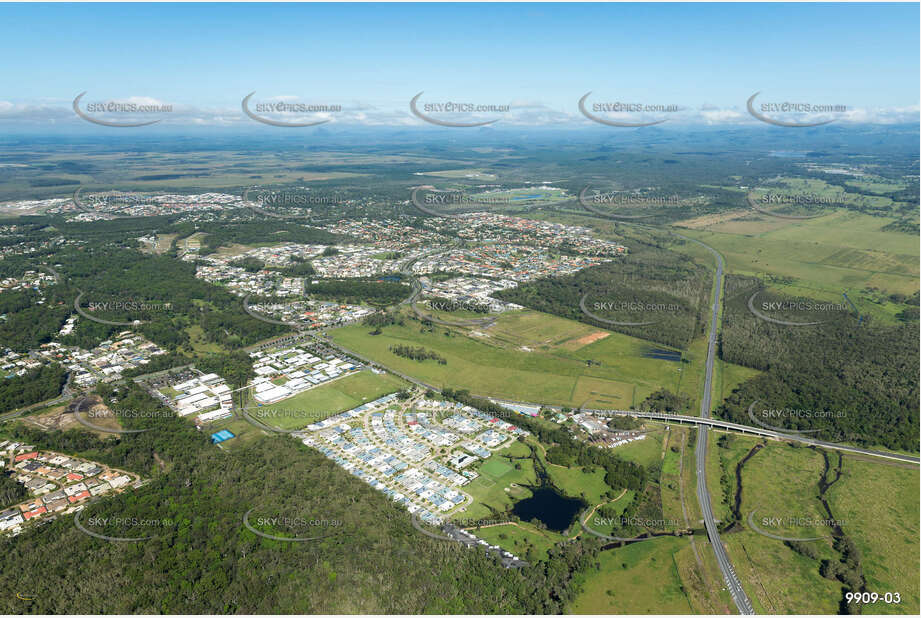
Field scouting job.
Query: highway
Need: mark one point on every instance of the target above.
(743, 603)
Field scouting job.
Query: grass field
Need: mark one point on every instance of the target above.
(526, 356)
(781, 481)
(641, 578)
(823, 257)
(500, 484)
(644, 452)
(325, 400)
(521, 538)
(878, 503)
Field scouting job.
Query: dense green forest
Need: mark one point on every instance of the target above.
(122, 285)
(37, 385)
(203, 560)
(853, 379)
(11, 490)
(356, 291)
(660, 286)
(268, 230)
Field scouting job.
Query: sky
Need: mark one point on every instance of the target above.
(539, 59)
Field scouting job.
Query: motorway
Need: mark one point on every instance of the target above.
(743, 603)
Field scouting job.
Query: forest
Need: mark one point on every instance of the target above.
(202, 559)
(853, 379)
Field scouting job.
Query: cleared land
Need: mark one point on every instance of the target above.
(525, 356)
(641, 578)
(822, 257)
(879, 506)
(325, 400)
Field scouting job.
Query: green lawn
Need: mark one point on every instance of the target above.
(781, 481)
(641, 578)
(878, 503)
(500, 483)
(645, 452)
(325, 400)
(844, 251)
(522, 539)
(525, 356)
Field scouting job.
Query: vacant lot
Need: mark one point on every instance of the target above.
(525, 356)
(325, 400)
(879, 505)
(641, 578)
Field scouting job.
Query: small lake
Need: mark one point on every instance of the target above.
(661, 354)
(787, 154)
(533, 196)
(555, 511)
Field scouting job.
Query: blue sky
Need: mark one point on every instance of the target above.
(538, 58)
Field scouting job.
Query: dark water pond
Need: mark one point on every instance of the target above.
(555, 511)
(660, 354)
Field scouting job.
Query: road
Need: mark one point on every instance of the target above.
(743, 603)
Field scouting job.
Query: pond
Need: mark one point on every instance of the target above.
(555, 511)
(661, 354)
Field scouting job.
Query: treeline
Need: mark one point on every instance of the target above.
(123, 285)
(355, 291)
(418, 354)
(203, 560)
(382, 319)
(853, 379)
(650, 284)
(565, 450)
(35, 386)
(225, 233)
(11, 490)
(663, 400)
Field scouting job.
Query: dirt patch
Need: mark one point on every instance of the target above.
(591, 338)
(55, 418)
(714, 219)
